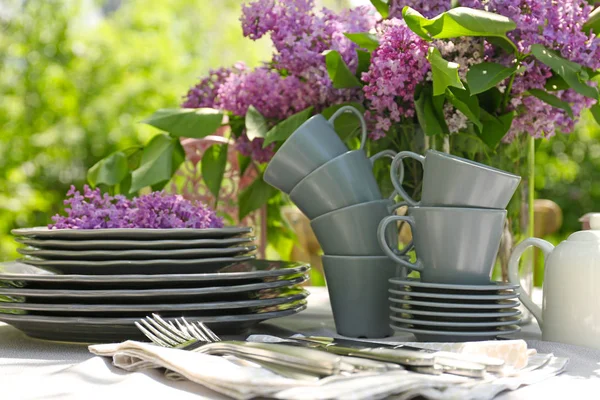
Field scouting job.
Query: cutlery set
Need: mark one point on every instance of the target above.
(93, 285)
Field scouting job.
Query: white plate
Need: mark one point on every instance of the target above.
(416, 283)
(91, 255)
(446, 296)
(501, 304)
(430, 335)
(101, 244)
(162, 266)
(421, 322)
(450, 314)
(131, 233)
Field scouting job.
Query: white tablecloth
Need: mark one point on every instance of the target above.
(37, 369)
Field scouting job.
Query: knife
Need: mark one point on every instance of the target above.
(491, 364)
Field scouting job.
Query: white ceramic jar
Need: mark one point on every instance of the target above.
(570, 311)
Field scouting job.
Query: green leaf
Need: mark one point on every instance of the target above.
(160, 160)
(426, 114)
(382, 7)
(256, 124)
(593, 22)
(552, 100)
(571, 72)
(595, 109)
(445, 73)
(364, 61)
(484, 76)
(254, 197)
(346, 125)
(109, 171)
(465, 103)
(555, 82)
(495, 128)
(214, 161)
(186, 122)
(365, 40)
(338, 71)
(415, 21)
(243, 163)
(490, 100)
(464, 21)
(285, 128)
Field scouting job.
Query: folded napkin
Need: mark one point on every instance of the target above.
(244, 381)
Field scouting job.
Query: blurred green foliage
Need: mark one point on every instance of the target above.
(76, 77)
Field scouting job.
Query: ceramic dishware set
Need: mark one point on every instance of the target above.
(92, 285)
(336, 189)
(456, 228)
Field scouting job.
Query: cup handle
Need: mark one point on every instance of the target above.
(393, 208)
(395, 255)
(363, 124)
(397, 180)
(513, 272)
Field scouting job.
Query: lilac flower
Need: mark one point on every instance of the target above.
(429, 8)
(94, 210)
(255, 149)
(398, 65)
(205, 93)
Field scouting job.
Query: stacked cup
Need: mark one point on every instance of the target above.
(336, 189)
(458, 223)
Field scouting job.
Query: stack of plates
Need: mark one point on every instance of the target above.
(437, 312)
(91, 285)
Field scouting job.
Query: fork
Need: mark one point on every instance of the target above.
(286, 360)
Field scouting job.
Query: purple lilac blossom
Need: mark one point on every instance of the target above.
(205, 93)
(429, 8)
(398, 65)
(157, 210)
(557, 26)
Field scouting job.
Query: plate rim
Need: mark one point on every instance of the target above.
(454, 324)
(133, 278)
(135, 263)
(455, 296)
(427, 285)
(44, 231)
(134, 293)
(493, 306)
(134, 252)
(513, 313)
(127, 321)
(458, 333)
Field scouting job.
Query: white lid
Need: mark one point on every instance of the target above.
(589, 235)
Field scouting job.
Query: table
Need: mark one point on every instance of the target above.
(37, 369)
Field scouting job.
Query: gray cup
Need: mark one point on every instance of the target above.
(344, 181)
(311, 145)
(352, 231)
(453, 245)
(358, 291)
(453, 181)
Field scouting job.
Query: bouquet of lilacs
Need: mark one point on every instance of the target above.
(496, 70)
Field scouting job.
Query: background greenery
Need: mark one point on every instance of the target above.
(76, 76)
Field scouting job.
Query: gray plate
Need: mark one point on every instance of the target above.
(141, 310)
(431, 335)
(162, 266)
(450, 314)
(120, 255)
(102, 330)
(416, 283)
(131, 233)
(447, 296)
(151, 296)
(251, 271)
(457, 304)
(434, 324)
(102, 244)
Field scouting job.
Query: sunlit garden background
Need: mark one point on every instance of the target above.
(76, 76)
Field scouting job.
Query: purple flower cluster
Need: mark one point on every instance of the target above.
(157, 210)
(557, 26)
(297, 76)
(398, 65)
(429, 8)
